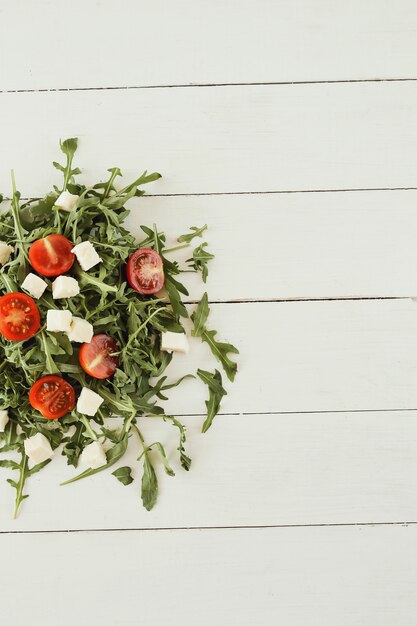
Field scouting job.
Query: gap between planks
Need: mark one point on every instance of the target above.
(198, 85)
(404, 523)
(197, 194)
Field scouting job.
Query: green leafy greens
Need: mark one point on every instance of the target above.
(108, 302)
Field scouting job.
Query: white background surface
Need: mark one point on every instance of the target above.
(289, 127)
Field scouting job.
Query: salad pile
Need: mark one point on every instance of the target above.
(89, 321)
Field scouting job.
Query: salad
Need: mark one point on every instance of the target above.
(89, 321)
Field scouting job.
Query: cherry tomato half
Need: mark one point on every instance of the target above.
(19, 316)
(52, 396)
(145, 272)
(97, 358)
(51, 256)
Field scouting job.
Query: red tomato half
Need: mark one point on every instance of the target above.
(145, 272)
(51, 256)
(52, 396)
(97, 358)
(19, 316)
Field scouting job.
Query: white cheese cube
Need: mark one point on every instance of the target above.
(58, 321)
(86, 255)
(93, 455)
(5, 252)
(38, 448)
(89, 402)
(174, 342)
(67, 201)
(34, 285)
(4, 418)
(65, 287)
(81, 331)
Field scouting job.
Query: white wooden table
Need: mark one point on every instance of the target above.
(290, 127)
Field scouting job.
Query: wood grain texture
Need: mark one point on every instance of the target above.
(310, 356)
(136, 43)
(250, 470)
(263, 138)
(331, 245)
(315, 576)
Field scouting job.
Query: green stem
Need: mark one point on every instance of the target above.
(110, 183)
(142, 441)
(156, 239)
(97, 282)
(67, 170)
(50, 363)
(16, 217)
(9, 283)
(148, 319)
(184, 245)
(22, 476)
(88, 428)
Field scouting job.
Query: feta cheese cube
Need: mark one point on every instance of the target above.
(89, 402)
(93, 455)
(67, 201)
(5, 252)
(65, 287)
(86, 255)
(174, 342)
(34, 285)
(38, 448)
(81, 331)
(4, 418)
(58, 321)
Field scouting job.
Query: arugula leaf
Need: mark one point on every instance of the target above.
(184, 458)
(200, 259)
(113, 455)
(172, 288)
(221, 350)
(149, 484)
(200, 316)
(168, 469)
(216, 393)
(197, 232)
(124, 475)
(24, 473)
(74, 445)
(68, 147)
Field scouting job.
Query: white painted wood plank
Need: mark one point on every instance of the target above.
(328, 245)
(315, 576)
(332, 468)
(311, 356)
(220, 139)
(106, 43)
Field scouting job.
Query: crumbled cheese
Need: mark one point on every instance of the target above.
(65, 287)
(174, 342)
(58, 321)
(81, 331)
(86, 255)
(67, 201)
(4, 418)
(89, 402)
(93, 455)
(5, 252)
(38, 448)
(34, 285)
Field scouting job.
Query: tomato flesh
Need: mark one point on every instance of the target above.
(145, 271)
(52, 396)
(98, 358)
(51, 256)
(19, 316)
